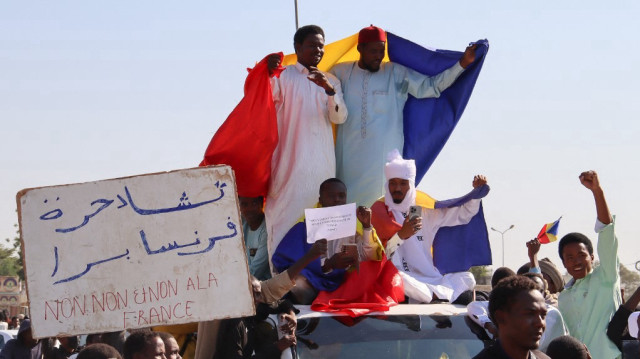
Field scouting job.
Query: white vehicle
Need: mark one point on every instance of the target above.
(430, 331)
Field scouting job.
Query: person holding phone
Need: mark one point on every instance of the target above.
(408, 232)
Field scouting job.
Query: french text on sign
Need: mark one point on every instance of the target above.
(152, 249)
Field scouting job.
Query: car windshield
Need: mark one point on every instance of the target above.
(393, 336)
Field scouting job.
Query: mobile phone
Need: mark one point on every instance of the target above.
(414, 212)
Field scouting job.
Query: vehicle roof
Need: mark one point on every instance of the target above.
(400, 309)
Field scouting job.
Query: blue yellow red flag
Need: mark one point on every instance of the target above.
(428, 122)
(549, 232)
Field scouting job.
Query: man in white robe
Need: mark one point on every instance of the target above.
(410, 247)
(307, 102)
(375, 94)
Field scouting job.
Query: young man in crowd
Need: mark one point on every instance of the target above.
(567, 347)
(144, 345)
(307, 103)
(171, 347)
(327, 273)
(518, 310)
(255, 236)
(592, 296)
(24, 346)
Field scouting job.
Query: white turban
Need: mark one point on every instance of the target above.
(397, 167)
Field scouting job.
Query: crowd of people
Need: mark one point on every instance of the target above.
(527, 314)
(390, 257)
(136, 344)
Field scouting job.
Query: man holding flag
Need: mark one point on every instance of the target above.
(375, 93)
(307, 102)
(409, 240)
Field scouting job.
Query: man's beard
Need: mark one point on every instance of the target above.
(397, 200)
(371, 69)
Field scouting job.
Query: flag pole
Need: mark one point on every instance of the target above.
(295, 2)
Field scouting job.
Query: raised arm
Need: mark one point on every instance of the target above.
(319, 248)
(607, 241)
(590, 180)
(533, 246)
(454, 216)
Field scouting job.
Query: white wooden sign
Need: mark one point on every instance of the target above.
(134, 252)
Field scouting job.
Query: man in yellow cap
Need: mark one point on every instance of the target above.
(375, 94)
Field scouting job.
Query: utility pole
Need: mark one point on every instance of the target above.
(295, 3)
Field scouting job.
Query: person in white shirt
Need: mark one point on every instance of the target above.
(307, 102)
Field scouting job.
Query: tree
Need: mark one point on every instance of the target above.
(482, 274)
(11, 259)
(630, 280)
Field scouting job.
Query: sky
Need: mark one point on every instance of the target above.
(92, 90)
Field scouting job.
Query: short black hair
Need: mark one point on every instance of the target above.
(500, 273)
(137, 342)
(305, 31)
(165, 336)
(567, 347)
(99, 351)
(328, 181)
(503, 294)
(574, 237)
(524, 268)
(94, 338)
(531, 275)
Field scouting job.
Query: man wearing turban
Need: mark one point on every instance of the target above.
(409, 241)
(375, 94)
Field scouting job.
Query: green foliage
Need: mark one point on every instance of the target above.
(10, 258)
(629, 279)
(482, 274)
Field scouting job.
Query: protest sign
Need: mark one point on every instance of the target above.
(330, 222)
(134, 252)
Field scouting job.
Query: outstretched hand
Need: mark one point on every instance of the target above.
(590, 180)
(479, 180)
(364, 216)
(533, 247)
(469, 56)
(273, 62)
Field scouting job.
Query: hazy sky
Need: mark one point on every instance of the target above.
(92, 90)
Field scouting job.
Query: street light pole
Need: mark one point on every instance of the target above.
(502, 235)
(295, 3)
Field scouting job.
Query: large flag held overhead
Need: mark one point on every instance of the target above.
(429, 122)
(457, 248)
(549, 232)
(247, 138)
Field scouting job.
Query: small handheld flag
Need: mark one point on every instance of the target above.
(549, 232)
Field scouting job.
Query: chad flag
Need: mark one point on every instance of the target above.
(428, 123)
(549, 232)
